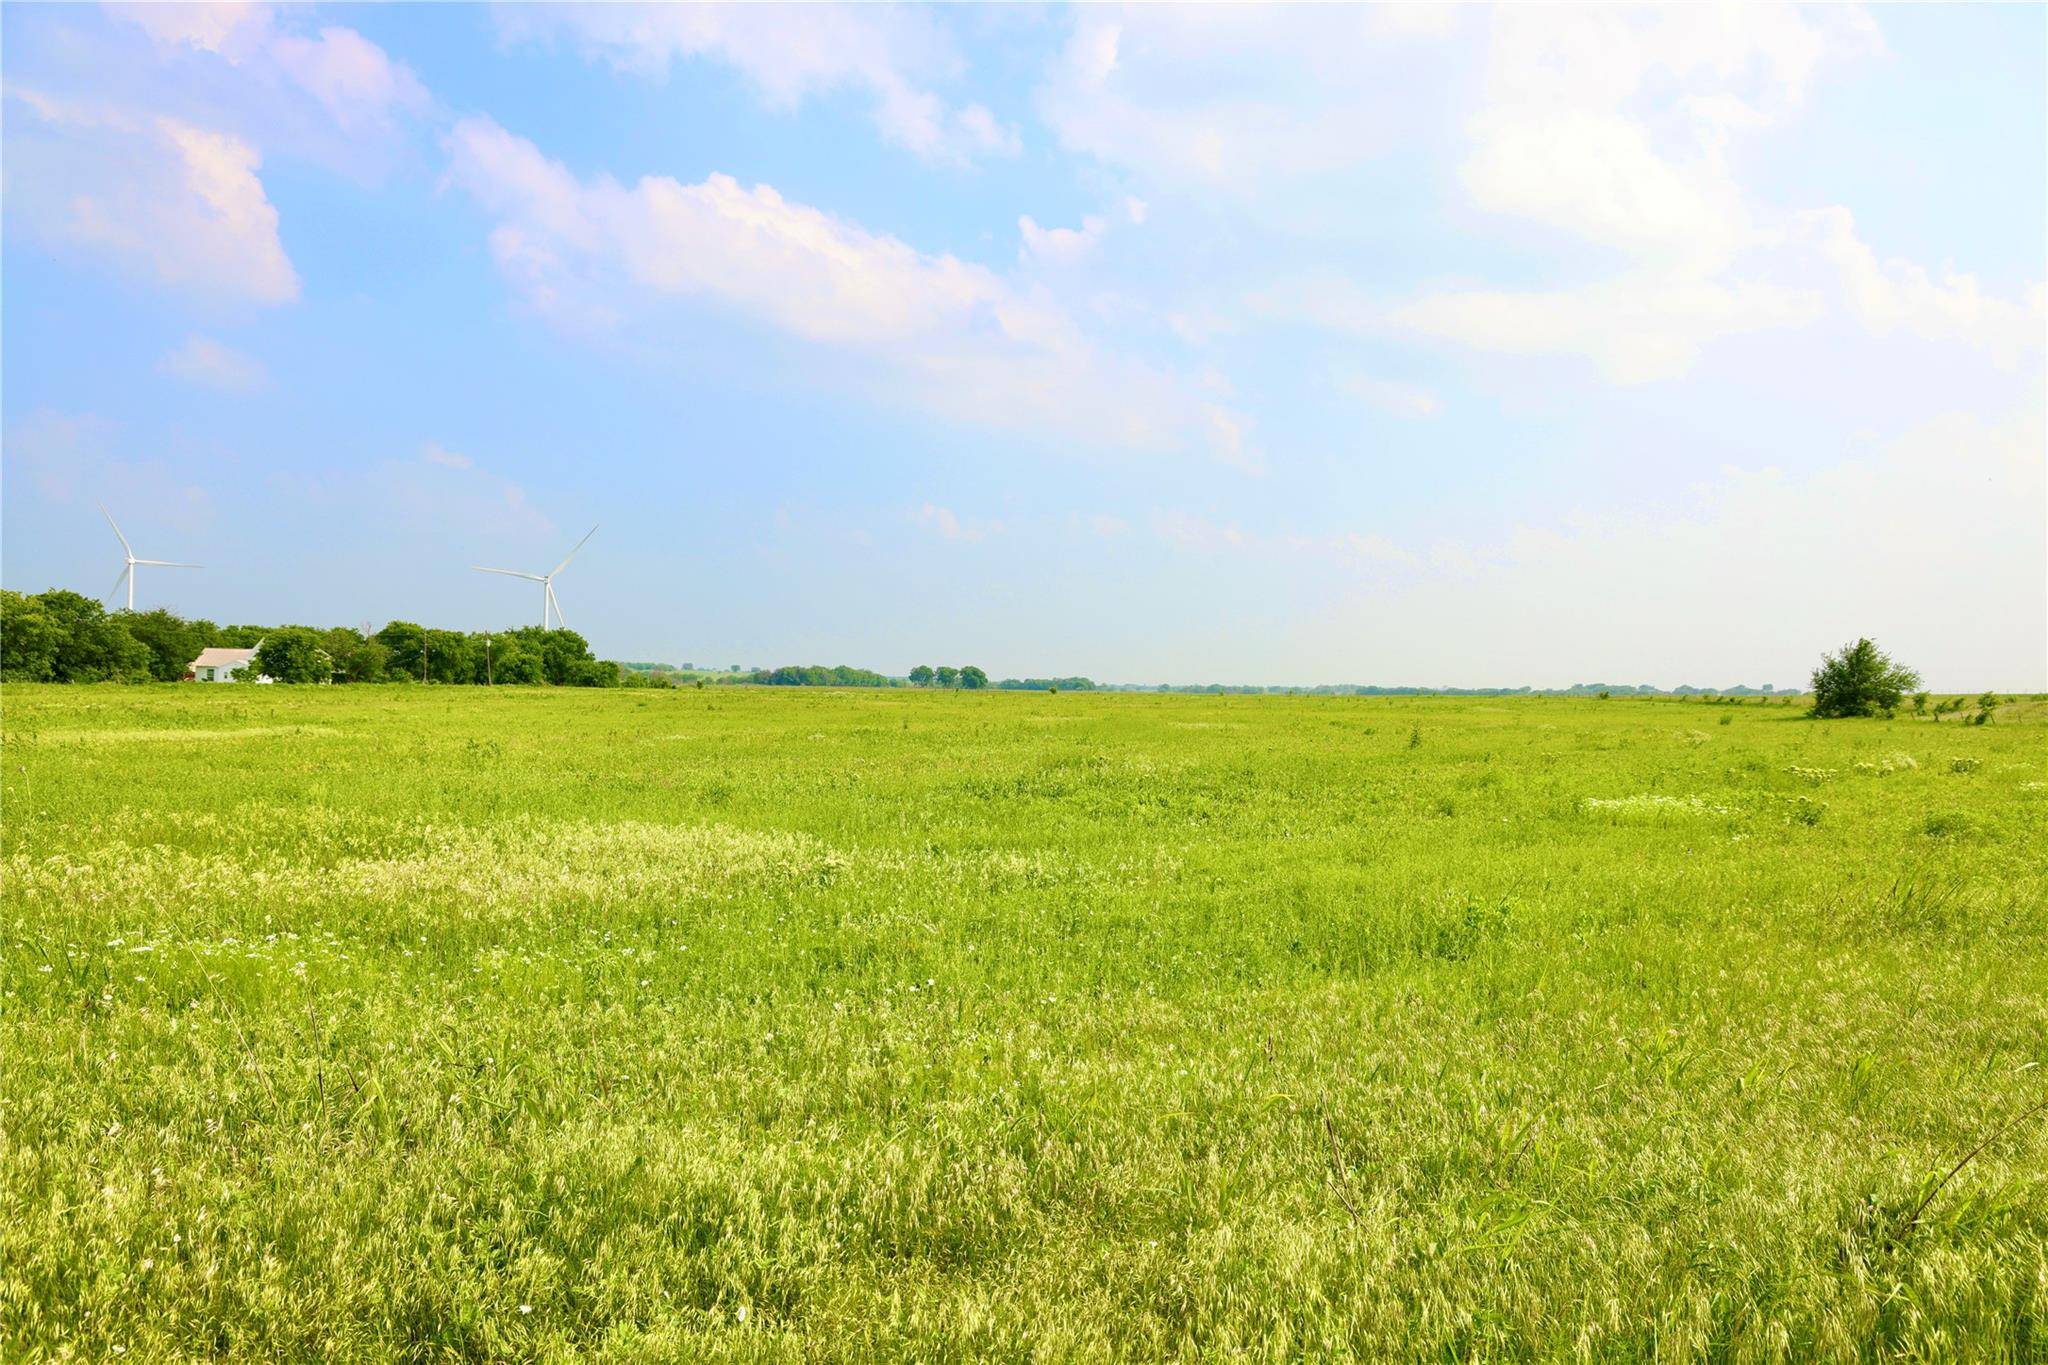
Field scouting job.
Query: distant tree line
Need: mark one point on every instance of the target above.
(63, 636)
(969, 679)
(1371, 690)
(814, 675)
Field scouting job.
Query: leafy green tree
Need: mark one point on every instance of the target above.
(514, 663)
(402, 641)
(921, 676)
(291, 654)
(1919, 703)
(29, 638)
(589, 672)
(561, 651)
(95, 647)
(973, 678)
(172, 641)
(1860, 680)
(451, 658)
(357, 657)
(948, 676)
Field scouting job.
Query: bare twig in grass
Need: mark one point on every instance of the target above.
(1912, 1220)
(1338, 1165)
(1528, 1141)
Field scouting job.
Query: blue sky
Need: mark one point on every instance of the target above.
(1447, 346)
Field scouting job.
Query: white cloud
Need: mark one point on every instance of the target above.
(946, 334)
(1612, 125)
(892, 55)
(1392, 396)
(354, 80)
(351, 77)
(434, 453)
(1103, 525)
(1636, 328)
(1067, 246)
(166, 198)
(1183, 94)
(1238, 101)
(157, 164)
(1059, 246)
(1375, 550)
(1190, 531)
(235, 31)
(212, 364)
(947, 526)
(1598, 175)
(1894, 295)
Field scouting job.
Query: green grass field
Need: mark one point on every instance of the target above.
(783, 1024)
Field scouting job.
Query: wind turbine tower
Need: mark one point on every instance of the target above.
(128, 569)
(546, 580)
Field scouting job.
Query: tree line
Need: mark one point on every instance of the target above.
(63, 636)
(968, 678)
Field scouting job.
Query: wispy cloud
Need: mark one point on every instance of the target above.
(355, 81)
(71, 458)
(449, 494)
(212, 364)
(171, 201)
(1392, 395)
(946, 334)
(892, 55)
(944, 523)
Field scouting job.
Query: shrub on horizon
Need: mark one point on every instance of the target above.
(1860, 680)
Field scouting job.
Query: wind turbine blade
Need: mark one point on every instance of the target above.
(130, 549)
(510, 573)
(115, 591)
(572, 554)
(168, 564)
(561, 621)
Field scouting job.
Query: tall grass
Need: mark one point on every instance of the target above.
(355, 1023)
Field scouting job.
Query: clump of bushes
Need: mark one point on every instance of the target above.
(1948, 824)
(1860, 680)
(1471, 928)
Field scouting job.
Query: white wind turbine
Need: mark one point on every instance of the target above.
(128, 569)
(546, 581)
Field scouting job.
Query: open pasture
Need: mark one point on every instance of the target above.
(786, 1024)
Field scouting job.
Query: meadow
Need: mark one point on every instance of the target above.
(408, 1023)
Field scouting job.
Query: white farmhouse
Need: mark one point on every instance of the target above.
(221, 665)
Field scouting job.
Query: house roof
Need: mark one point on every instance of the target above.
(222, 658)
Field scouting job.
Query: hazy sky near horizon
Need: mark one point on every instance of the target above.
(1400, 345)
